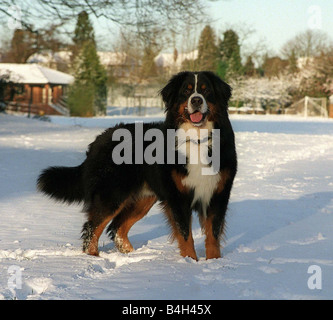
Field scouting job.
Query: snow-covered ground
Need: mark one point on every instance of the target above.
(280, 220)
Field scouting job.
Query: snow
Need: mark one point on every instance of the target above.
(47, 58)
(167, 60)
(263, 90)
(279, 220)
(34, 74)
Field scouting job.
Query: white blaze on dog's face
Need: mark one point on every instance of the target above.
(196, 104)
(197, 91)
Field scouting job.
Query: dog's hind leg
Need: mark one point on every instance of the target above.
(123, 222)
(90, 235)
(94, 227)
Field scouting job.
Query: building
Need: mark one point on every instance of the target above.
(119, 63)
(173, 63)
(33, 89)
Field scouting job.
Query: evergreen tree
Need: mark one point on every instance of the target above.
(229, 46)
(249, 68)
(207, 50)
(87, 96)
(149, 68)
(84, 31)
(81, 99)
(230, 64)
(293, 68)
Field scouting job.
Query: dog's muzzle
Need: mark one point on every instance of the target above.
(197, 108)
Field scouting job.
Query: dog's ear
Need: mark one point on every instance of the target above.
(221, 88)
(170, 92)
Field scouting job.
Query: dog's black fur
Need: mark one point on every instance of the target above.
(124, 193)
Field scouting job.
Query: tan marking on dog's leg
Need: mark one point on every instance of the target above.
(186, 247)
(130, 216)
(225, 176)
(92, 248)
(93, 245)
(212, 244)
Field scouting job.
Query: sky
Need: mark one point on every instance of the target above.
(274, 21)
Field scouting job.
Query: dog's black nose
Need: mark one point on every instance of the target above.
(196, 102)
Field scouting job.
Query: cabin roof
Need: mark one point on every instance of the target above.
(34, 74)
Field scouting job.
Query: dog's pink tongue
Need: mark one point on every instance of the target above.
(196, 117)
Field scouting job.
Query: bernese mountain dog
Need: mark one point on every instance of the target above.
(128, 168)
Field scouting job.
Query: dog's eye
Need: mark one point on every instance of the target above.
(187, 92)
(206, 91)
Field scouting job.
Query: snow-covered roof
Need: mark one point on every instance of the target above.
(34, 74)
(166, 60)
(46, 57)
(107, 58)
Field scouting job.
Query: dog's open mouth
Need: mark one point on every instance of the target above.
(197, 117)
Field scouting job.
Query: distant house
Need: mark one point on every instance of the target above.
(172, 62)
(55, 60)
(119, 63)
(31, 88)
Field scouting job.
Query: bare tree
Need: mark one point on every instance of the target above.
(22, 46)
(24, 43)
(310, 43)
(140, 15)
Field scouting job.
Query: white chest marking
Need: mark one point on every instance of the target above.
(204, 106)
(203, 185)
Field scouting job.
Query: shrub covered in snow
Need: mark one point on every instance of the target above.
(262, 92)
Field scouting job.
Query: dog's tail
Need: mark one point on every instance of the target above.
(62, 183)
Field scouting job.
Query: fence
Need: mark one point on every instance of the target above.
(138, 97)
(309, 107)
(36, 108)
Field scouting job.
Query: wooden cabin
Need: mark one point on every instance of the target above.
(33, 89)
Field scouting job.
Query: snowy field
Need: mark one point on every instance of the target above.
(279, 225)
